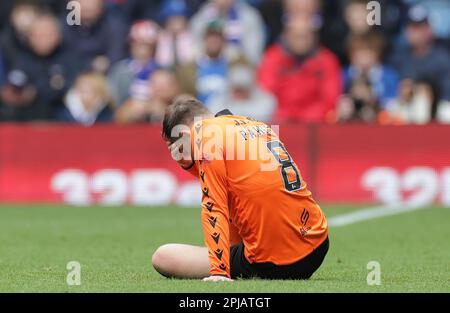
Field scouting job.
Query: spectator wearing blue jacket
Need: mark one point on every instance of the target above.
(206, 76)
(369, 84)
(130, 78)
(366, 53)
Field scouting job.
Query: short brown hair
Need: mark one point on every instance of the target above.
(371, 40)
(182, 111)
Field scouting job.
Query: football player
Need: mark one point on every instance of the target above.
(259, 218)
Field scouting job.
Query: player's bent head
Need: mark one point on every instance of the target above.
(182, 111)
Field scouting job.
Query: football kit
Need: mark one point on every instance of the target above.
(258, 217)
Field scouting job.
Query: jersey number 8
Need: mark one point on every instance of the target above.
(289, 171)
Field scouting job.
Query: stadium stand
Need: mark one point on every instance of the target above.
(320, 60)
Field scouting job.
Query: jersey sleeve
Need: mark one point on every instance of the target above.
(215, 215)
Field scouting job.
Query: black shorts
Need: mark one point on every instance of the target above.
(302, 269)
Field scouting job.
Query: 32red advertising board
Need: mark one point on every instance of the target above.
(130, 164)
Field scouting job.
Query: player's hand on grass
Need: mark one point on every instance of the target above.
(217, 278)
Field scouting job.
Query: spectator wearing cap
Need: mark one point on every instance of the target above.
(305, 77)
(51, 68)
(439, 11)
(243, 27)
(130, 77)
(206, 76)
(88, 102)
(175, 43)
(422, 62)
(101, 37)
(244, 97)
(16, 97)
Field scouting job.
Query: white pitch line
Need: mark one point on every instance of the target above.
(372, 213)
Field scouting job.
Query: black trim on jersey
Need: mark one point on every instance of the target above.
(223, 112)
(188, 167)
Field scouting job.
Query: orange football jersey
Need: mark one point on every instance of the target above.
(252, 191)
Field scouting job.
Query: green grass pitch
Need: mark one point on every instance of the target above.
(114, 247)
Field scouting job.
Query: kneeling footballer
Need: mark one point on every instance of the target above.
(259, 219)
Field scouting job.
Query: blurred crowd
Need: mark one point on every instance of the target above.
(303, 61)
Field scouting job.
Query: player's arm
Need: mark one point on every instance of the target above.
(215, 216)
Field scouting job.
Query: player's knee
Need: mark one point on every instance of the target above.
(163, 260)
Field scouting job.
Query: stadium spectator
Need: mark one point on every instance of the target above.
(413, 106)
(308, 10)
(243, 27)
(443, 112)
(164, 86)
(439, 11)
(207, 75)
(421, 56)
(175, 43)
(244, 97)
(305, 77)
(13, 38)
(50, 67)
(6, 7)
(369, 85)
(100, 39)
(422, 60)
(16, 97)
(129, 78)
(88, 102)
(352, 22)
